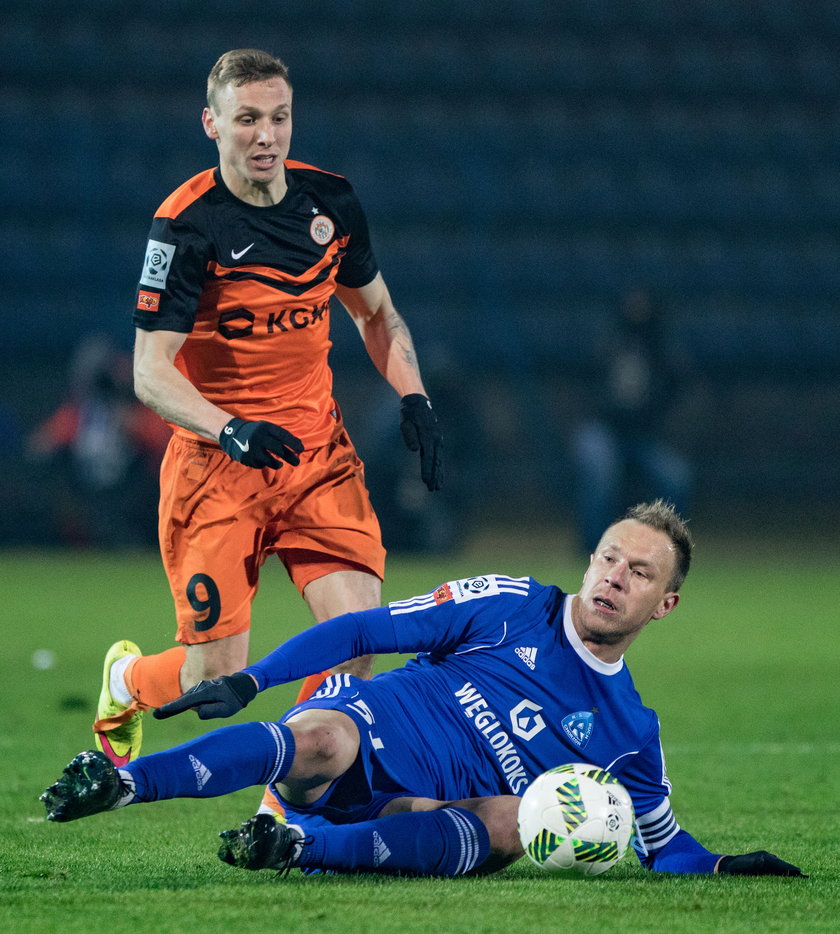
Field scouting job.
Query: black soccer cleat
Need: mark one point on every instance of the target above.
(89, 784)
(262, 842)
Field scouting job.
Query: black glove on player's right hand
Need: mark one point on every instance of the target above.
(221, 697)
(259, 444)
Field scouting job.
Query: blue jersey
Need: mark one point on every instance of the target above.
(501, 690)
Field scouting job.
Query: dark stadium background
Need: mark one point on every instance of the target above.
(522, 164)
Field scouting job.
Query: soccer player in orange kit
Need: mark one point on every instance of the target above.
(232, 335)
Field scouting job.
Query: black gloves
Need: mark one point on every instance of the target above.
(221, 697)
(420, 431)
(262, 444)
(760, 863)
(259, 444)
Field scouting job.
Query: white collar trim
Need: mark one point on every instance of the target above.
(592, 661)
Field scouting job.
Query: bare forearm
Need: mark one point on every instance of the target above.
(389, 345)
(385, 334)
(166, 391)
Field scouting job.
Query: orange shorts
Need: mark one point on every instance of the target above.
(219, 520)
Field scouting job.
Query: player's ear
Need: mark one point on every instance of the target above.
(209, 123)
(669, 602)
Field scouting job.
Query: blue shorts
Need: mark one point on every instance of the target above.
(364, 790)
(405, 750)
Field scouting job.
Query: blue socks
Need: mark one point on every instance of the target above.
(446, 842)
(216, 763)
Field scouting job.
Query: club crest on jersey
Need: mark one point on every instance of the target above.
(157, 263)
(578, 727)
(321, 229)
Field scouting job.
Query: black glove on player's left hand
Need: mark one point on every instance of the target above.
(760, 863)
(221, 697)
(421, 431)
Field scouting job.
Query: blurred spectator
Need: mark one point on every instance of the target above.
(103, 449)
(622, 453)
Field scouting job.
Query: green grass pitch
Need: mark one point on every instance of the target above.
(744, 677)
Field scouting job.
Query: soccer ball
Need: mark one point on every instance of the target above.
(576, 818)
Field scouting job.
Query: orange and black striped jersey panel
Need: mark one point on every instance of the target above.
(251, 288)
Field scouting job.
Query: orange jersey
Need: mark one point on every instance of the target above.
(251, 287)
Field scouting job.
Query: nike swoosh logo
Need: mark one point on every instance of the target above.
(242, 446)
(112, 754)
(241, 253)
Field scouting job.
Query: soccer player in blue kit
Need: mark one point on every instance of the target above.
(420, 770)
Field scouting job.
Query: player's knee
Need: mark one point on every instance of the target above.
(326, 744)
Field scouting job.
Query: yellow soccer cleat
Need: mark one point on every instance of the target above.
(118, 730)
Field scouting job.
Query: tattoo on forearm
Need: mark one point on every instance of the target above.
(409, 356)
(401, 338)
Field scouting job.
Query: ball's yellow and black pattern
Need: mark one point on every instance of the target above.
(576, 817)
(602, 776)
(543, 845)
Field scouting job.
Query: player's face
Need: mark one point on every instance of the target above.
(625, 587)
(252, 126)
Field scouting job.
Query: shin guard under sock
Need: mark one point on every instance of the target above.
(153, 680)
(217, 763)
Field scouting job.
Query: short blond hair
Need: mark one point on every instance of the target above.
(243, 66)
(663, 517)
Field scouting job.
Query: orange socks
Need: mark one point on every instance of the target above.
(155, 679)
(310, 686)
